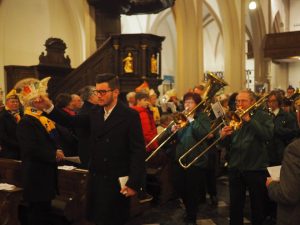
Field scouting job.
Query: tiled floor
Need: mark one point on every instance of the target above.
(172, 212)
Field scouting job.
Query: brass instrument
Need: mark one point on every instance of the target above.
(213, 85)
(233, 119)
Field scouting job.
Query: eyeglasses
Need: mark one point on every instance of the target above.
(102, 92)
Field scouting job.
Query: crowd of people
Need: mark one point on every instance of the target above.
(113, 138)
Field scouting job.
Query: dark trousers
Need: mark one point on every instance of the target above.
(105, 204)
(189, 185)
(239, 182)
(211, 173)
(40, 213)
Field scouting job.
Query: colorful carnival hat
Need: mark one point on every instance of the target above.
(30, 88)
(12, 94)
(144, 87)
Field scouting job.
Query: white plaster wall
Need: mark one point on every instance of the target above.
(294, 15)
(279, 78)
(26, 25)
(279, 6)
(294, 74)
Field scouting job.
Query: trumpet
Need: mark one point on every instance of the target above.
(214, 84)
(233, 119)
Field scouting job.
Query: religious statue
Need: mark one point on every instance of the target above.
(153, 64)
(128, 63)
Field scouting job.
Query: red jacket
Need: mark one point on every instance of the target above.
(148, 126)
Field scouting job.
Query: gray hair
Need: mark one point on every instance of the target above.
(130, 94)
(86, 92)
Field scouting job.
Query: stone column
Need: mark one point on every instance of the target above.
(188, 19)
(233, 18)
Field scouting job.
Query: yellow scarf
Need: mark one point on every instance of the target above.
(47, 123)
(15, 114)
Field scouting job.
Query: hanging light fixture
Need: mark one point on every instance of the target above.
(252, 5)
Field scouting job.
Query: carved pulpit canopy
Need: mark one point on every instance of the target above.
(55, 55)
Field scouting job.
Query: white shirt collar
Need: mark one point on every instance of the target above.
(107, 113)
(276, 111)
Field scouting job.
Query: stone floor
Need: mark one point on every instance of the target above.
(171, 213)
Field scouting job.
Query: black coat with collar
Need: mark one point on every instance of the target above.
(38, 154)
(8, 137)
(117, 150)
(117, 144)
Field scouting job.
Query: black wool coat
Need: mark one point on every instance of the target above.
(38, 155)
(8, 137)
(117, 150)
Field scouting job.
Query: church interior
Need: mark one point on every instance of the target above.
(173, 46)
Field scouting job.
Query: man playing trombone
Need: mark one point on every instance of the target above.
(189, 183)
(248, 158)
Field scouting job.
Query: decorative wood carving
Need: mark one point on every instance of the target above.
(282, 45)
(54, 64)
(55, 54)
(109, 58)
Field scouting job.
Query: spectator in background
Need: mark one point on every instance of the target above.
(149, 132)
(76, 103)
(153, 106)
(199, 89)
(290, 91)
(9, 118)
(130, 97)
(90, 99)
(146, 116)
(285, 128)
(231, 101)
(68, 137)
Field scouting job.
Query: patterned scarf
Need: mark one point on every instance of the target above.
(15, 114)
(48, 124)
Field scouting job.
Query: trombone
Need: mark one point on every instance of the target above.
(234, 120)
(214, 84)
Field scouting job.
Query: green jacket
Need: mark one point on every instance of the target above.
(247, 145)
(190, 135)
(285, 130)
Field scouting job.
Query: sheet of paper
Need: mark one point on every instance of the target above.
(218, 109)
(74, 159)
(274, 172)
(123, 181)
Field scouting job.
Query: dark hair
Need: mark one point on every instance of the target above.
(62, 100)
(278, 96)
(141, 95)
(86, 92)
(191, 95)
(231, 101)
(291, 87)
(111, 79)
(200, 87)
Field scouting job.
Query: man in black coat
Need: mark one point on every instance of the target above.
(117, 152)
(9, 118)
(90, 98)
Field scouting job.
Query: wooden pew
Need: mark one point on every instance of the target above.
(70, 203)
